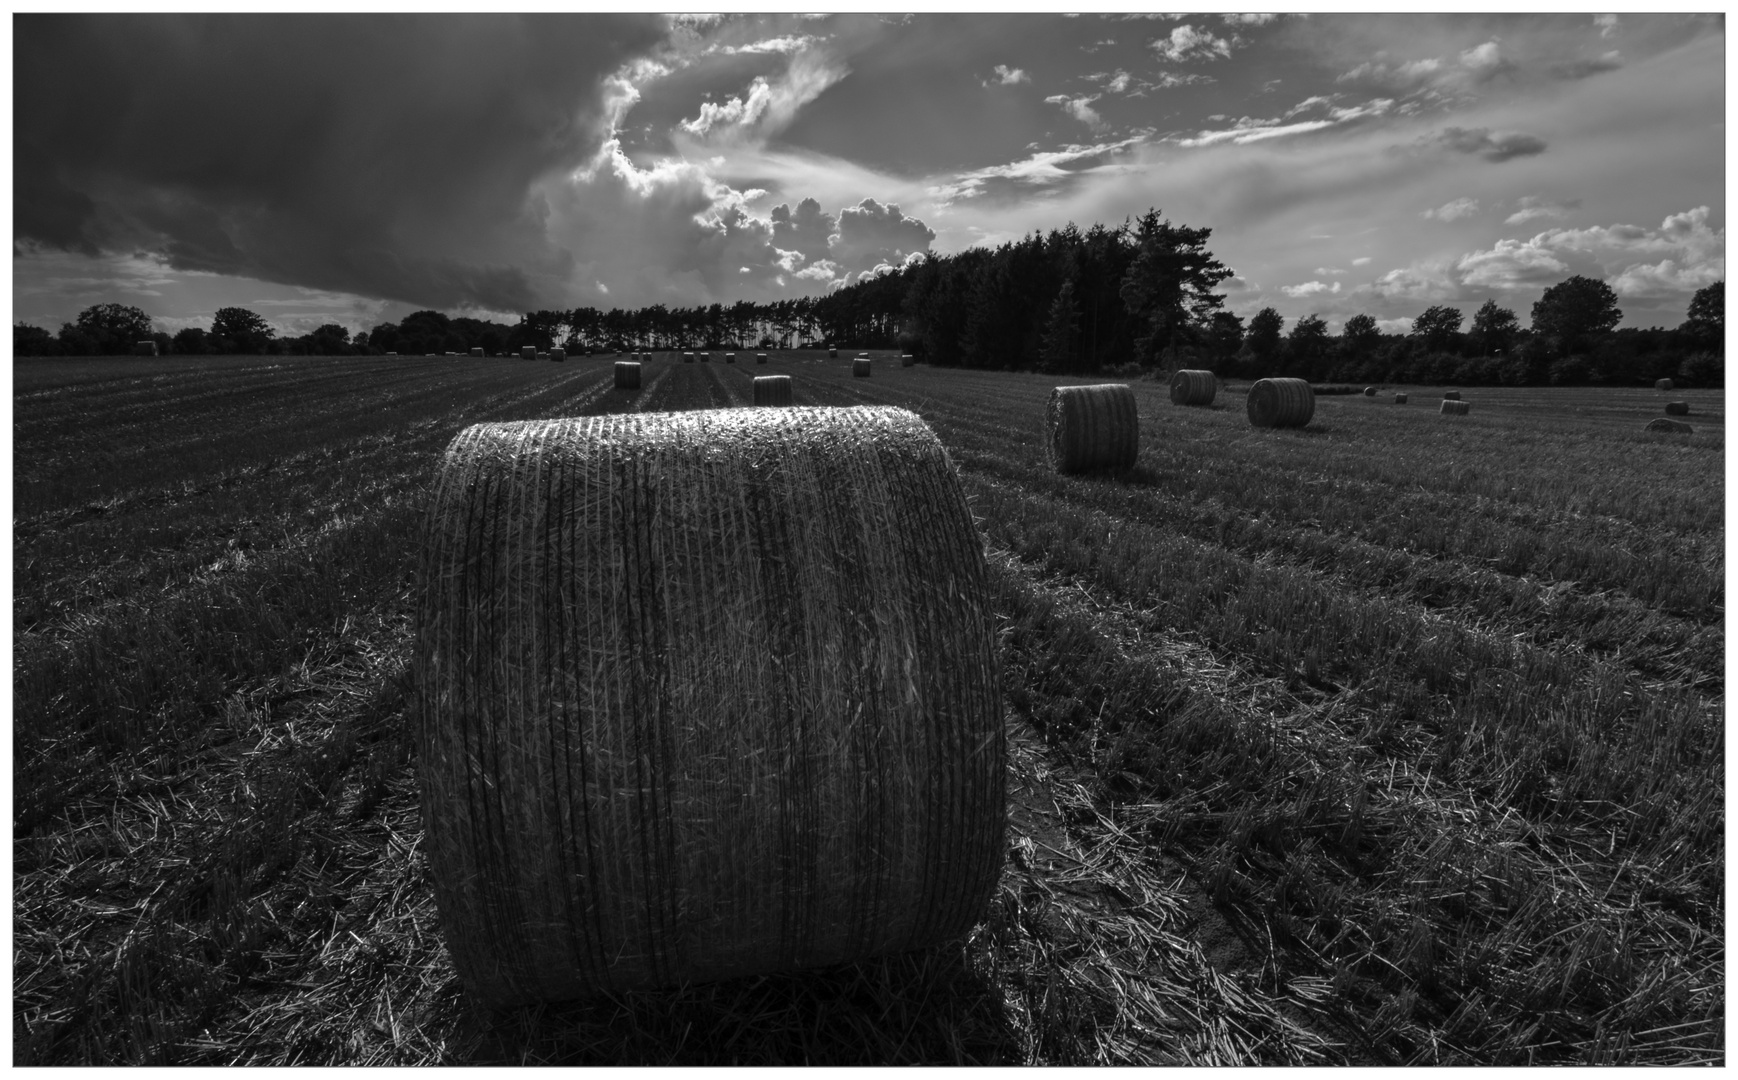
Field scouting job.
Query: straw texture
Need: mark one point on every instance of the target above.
(1092, 427)
(528, 352)
(860, 368)
(1663, 384)
(1281, 403)
(627, 375)
(1669, 427)
(1192, 386)
(700, 695)
(1455, 408)
(144, 348)
(1677, 408)
(772, 390)
(1399, 399)
(1451, 395)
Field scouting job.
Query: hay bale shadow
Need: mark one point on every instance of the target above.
(925, 1007)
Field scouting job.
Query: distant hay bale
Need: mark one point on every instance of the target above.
(1455, 408)
(760, 358)
(1092, 427)
(1451, 395)
(687, 358)
(1193, 386)
(527, 352)
(1399, 399)
(627, 375)
(558, 355)
(730, 358)
(1275, 403)
(1663, 384)
(772, 390)
(642, 760)
(145, 348)
(832, 354)
(476, 350)
(862, 356)
(1369, 391)
(860, 368)
(1677, 408)
(907, 360)
(391, 353)
(1662, 426)
(705, 358)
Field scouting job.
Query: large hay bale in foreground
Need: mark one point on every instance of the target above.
(1275, 403)
(627, 375)
(701, 695)
(1660, 425)
(1399, 399)
(772, 389)
(1451, 395)
(860, 368)
(1092, 427)
(145, 348)
(1677, 408)
(1455, 408)
(907, 360)
(1192, 386)
(760, 358)
(1663, 384)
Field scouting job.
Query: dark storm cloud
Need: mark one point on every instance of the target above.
(383, 155)
(1488, 144)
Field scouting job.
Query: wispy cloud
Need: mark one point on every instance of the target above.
(1490, 145)
(1008, 76)
(1079, 107)
(1530, 207)
(1454, 211)
(1247, 130)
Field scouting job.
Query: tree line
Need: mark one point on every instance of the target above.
(1140, 297)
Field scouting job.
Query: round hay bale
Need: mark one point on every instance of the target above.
(687, 358)
(907, 360)
(145, 348)
(1455, 408)
(1369, 391)
(860, 368)
(528, 352)
(730, 358)
(1660, 425)
(1280, 403)
(862, 356)
(1092, 427)
(1192, 386)
(1399, 399)
(476, 350)
(1677, 408)
(627, 375)
(559, 355)
(1451, 395)
(1663, 384)
(705, 358)
(700, 695)
(832, 354)
(772, 390)
(760, 358)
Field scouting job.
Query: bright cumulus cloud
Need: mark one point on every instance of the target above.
(1358, 163)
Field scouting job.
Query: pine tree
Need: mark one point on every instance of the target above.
(1062, 331)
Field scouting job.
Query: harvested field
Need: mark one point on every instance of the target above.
(1385, 740)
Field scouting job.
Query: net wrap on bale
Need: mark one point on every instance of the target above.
(700, 695)
(860, 368)
(1455, 408)
(1280, 403)
(1670, 427)
(1677, 408)
(627, 375)
(1191, 386)
(772, 390)
(1092, 427)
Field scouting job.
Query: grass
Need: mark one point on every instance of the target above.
(1391, 740)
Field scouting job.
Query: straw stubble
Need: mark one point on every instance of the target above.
(701, 695)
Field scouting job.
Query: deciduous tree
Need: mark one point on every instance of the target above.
(1575, 310)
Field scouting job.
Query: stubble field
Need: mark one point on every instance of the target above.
(1395, 739)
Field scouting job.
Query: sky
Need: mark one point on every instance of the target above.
(352, 169)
